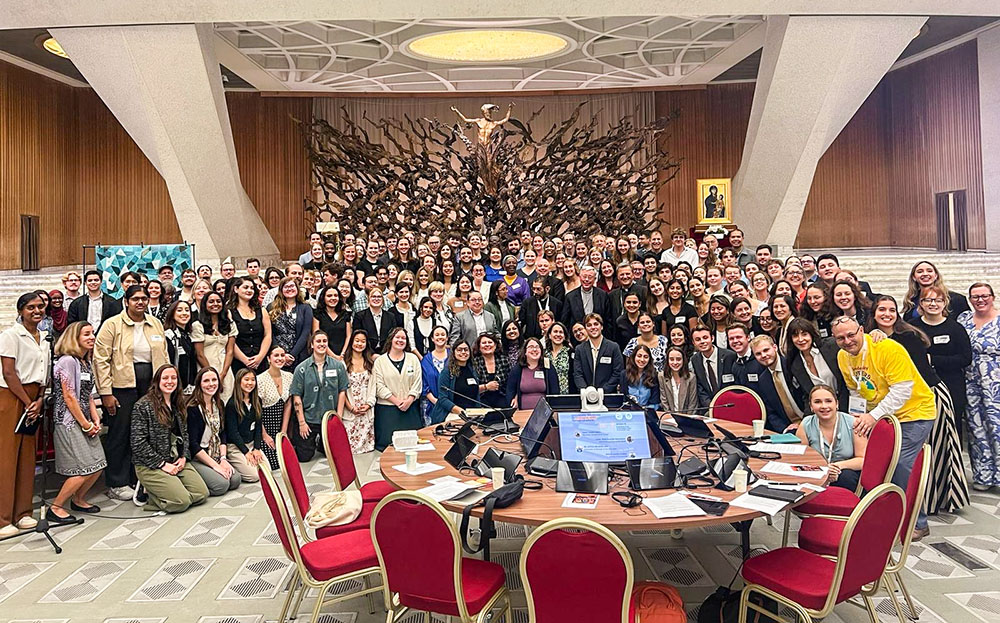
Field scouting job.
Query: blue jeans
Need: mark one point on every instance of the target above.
(914, 436)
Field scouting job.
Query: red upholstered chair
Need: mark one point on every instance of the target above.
(584, 575)
(291, 473)
(420, 554)
(812, 585)
(341, 458)
(747, 405)
(821, 535)
(880, 461)
(319, 564)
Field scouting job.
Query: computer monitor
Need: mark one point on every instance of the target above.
(535, 429)
(603, 437)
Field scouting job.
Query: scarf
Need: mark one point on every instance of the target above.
(59, 316)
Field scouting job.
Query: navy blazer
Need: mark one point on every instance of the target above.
(514, 382)
(759, 379)
(724, 375)
(573, 309)
(610, 367)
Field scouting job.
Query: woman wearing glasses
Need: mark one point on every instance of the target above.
(983, 386)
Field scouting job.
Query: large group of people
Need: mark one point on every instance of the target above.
(188, 378)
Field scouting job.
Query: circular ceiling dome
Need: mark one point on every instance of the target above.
(487, 46)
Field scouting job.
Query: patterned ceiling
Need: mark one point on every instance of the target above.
(367, 56)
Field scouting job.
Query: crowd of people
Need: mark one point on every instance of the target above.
(188, 378)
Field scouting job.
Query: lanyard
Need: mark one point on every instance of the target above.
(862, 355)
(822, 439)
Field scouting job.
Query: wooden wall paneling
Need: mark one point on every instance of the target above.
(273, 163)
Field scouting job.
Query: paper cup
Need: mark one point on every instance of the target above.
(740, 480)
(497, 473)
(758, 428)
(411, 461)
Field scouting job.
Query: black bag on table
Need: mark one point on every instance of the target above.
(501, 498)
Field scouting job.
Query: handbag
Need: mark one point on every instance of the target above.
(333, 508)
(656, 602)
(500, 498)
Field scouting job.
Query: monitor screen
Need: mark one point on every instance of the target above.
(535, 429)
(607, 437)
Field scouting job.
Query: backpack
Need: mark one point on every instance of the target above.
(656, 602)
(723, 606)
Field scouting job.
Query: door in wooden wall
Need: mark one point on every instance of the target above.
(952, 221)
(29, 242)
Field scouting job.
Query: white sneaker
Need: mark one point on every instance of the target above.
(27, 523)
(123, 494)
(8, 531)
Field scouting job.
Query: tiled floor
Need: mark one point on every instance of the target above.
(221, 563)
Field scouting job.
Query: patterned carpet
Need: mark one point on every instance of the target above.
(220, 563)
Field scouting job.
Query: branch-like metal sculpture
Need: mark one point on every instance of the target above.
(427, 175)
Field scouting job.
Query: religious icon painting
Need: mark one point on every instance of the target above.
(715, 204)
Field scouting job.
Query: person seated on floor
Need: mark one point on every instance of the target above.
(831, 433)
(206, 425)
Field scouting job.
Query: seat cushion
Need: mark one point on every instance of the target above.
(363, 522)
(480, 582)
(821, 535)
(801, 576)
(832, 501)
(336, 555)
(375, 490)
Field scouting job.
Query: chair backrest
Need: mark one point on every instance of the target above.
(279, 513)
(576, 570)
(291, 473)
(915, 487)
(419, 553)
(881, 455)
(338, 451)
(867, 541)
(747, 405)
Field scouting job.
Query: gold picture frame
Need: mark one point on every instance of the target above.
(715, 203)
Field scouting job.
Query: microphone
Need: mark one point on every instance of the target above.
(505, 424)
(698, 411)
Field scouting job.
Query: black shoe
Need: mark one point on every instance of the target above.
(56, 519)
(141, 497)
(93, 508)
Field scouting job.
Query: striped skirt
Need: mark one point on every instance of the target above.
(947, 489)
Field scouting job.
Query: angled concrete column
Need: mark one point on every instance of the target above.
(164, 86)
(815, 73)
(988, 44)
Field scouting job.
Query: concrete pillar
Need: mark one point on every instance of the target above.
(815, 73)
(164, 86)
(988, 44)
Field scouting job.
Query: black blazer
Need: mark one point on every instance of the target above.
(625, 331)
(724, 376)
(573, 310)
(557, 288)
(798, 379)
(377, 335)
(527, 316)
(196, 428)
(78, 308)
(610, 366)
(759, 379)
(618, 295)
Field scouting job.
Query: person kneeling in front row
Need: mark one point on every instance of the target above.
(831, 433)
(207, 434)
(159, 441)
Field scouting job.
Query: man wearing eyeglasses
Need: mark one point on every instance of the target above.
(883, 382)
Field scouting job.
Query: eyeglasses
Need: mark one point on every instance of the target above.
(980, 297)
(841, 319)
(843, 338)
(932, 301)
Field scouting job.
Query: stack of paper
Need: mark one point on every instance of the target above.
(759, 504)
(798, 471)
(673, 505)
(421, 468)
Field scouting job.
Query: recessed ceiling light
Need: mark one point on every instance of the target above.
(52, 46)
(487, 46)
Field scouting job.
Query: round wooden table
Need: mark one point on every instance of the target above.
(539, 506)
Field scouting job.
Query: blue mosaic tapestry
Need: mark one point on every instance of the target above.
(112, 261)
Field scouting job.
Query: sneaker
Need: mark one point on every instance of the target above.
(8, 531)
(919, 533)
(123, 494)
(27, 523)
(140, 497)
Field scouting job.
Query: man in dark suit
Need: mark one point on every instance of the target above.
(88, 308)
(587, 300)
(765, 375)
(626, 286)
(713, 366)
(540, 299)
(557, 288)
(375, 321)
(599, 361)
(738, 338)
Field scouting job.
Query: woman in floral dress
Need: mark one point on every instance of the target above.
(359, 415)
(983, 386)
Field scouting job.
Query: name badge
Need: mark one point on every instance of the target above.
(156, 337)
(459, 304)
(942, 339)
(180, 350)
(728, 378)
(471, 381)
(539, 374)
(85, 376)
(857, 405)
(752, 378)
(331, 374)
(515, 286)
(824, 333)
(604, 360)
(679, 319)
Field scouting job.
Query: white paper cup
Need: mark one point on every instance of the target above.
(758, 428)
(740, 480)
(497, 473)
(411, 461)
